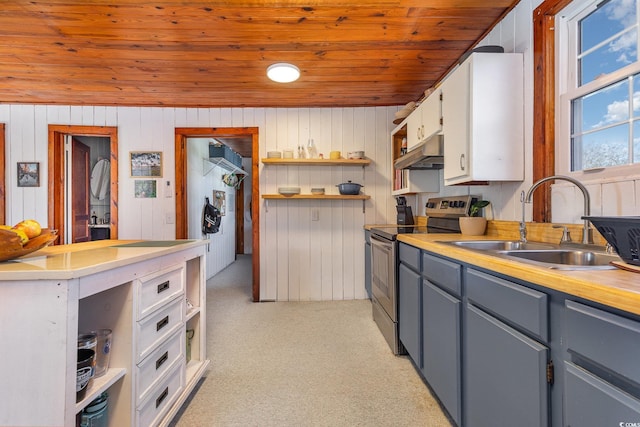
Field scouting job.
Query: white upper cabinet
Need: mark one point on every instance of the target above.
(482, 110)
(425, 120)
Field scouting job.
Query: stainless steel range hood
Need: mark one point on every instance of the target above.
(427, 155)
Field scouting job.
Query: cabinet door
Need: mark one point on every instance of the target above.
(367, 268)
(415, 128)
(409, 321)
(505, 374)
(432, 115)
(455, 113)
(591, 402)
(441, 346)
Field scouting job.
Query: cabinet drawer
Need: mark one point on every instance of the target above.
(513, 303)
(410, 255)
(591, 402)
(605, 338)
(151, 369)
(158, 326)
(443, 273)
(155, 290)
(161, 398)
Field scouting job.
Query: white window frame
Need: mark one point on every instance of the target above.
(566, 89)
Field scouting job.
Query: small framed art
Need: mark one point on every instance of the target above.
(145, 189)
(146, 164)
(28, 174)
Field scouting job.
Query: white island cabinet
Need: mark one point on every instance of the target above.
(150, 293)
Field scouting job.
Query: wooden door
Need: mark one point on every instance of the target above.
(79, 191)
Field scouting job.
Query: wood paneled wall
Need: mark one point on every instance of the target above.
(301, 259)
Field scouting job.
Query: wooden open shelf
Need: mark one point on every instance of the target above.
(317, 162)
(319, 196)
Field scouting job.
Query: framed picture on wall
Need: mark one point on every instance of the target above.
(219, 201)
(145, 189)
(146, 164)
(28, 174)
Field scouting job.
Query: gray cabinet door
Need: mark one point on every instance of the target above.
(367, 267)
(505, 374)
(591, 402)
(441, 346)
(409, 318)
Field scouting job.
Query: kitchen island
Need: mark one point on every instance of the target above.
(148, 292)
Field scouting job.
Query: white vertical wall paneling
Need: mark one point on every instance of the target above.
(322, 248)
(27, 197)
(282, 209)
(268, 230)
(295, 227)
(129, 136)
(619, 199)
(41, 139)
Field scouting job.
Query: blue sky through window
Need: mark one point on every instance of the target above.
(608, 42)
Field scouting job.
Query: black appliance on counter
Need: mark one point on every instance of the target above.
(442, 217)
(404, 216)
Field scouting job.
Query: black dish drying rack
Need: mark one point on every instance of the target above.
(621, 232)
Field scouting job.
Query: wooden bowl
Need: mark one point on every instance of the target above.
(11, 247)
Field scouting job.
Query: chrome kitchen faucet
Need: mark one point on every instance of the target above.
(587, 233)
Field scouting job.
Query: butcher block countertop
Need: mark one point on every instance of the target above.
(615, 288)
(63, 262)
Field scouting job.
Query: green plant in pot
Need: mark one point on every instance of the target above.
(474, 224)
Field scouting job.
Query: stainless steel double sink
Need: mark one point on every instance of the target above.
(559, 257)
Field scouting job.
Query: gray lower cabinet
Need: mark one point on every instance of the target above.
(484, 344)
(505, 369)
(601, 378)
(367, 262)
(505, 374)
(441, 346)
(409, 318)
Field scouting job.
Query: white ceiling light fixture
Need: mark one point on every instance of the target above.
(283, 72)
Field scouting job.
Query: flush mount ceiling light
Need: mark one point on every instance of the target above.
(283, 72)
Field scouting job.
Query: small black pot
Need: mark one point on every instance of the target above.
(349, 188)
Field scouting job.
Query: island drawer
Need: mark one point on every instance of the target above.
(161, 398)
(157, 327)
(157, 289)
(513, 303)
(154, 366)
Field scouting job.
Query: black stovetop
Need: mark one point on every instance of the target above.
(391, 232)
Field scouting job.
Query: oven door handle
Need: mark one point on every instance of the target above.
(380, 241)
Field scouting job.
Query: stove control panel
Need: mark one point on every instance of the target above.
(450, 206)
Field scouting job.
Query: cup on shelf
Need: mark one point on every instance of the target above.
(84, 371)
(103, 350)
(287, 154)
(334, 155)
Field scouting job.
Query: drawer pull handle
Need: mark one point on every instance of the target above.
(161, 324)
(163, 286)
(162, 359)
(162, 396)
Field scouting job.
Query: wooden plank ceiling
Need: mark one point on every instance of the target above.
(215, 53)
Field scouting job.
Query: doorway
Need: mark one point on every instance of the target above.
(242, 140)
(69, 210)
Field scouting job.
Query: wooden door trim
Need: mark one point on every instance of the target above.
(3, 160)
(544, 96)
(56, 173)
(182, 231)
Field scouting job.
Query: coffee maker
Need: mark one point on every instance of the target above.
(404, 216)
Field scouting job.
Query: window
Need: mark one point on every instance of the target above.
(598, 87)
